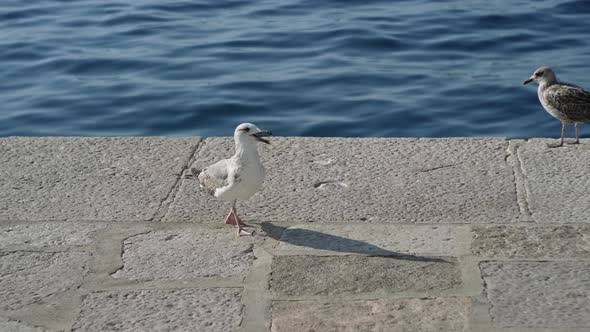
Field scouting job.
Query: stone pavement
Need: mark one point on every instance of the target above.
(101, 234)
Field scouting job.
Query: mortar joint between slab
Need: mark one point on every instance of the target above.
(525, 186)
(485, 292)
(520, 184)
(165, 203)
(256, 294)
(122, 250)
(108, 257)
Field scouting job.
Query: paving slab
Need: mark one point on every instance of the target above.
(9, 325)
(88, 178)
(217, 309)
(425, 314)
(372, 239)
(555, 241)
(334, 275)
(33, 277)
(538, 294)
(557, 181)
(49, 234)
(366, 179)
(186, 254)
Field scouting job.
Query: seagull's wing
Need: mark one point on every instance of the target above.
(213, 177)
(570, 99)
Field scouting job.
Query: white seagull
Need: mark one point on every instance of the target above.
(567, 103)
(238, 177)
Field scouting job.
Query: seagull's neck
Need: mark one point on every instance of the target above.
(547, 83)
(247, 151)
(544, 85)
(541, 88)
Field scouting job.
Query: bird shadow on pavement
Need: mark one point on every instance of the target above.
(322, 241)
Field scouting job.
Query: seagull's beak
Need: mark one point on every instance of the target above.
(259, 136)
(528, 81)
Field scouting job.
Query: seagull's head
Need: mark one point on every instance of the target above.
(249, 133)
(542, 75)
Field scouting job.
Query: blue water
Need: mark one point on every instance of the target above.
(298, 67)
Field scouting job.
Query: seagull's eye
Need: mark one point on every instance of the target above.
(539, 73)
(246, 129)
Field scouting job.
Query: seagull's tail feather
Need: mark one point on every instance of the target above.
(195, 172)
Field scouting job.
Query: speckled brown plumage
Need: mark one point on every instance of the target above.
(568, 103)
(572, 102)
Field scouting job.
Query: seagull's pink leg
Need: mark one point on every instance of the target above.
(577, 141)
(240, 221)
(562, 133)
(235, 212)
(233, 219)
(243, 232)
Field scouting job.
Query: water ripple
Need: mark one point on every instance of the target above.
(300, 67)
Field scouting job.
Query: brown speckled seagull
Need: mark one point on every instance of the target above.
(238, 177)
(567, 103)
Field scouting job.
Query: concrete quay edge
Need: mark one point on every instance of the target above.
(440, 234)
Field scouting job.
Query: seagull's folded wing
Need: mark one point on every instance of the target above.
(570, 99)
(214, 176)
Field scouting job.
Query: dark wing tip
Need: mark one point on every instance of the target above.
(195, 171)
